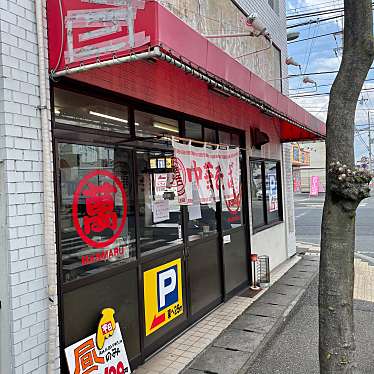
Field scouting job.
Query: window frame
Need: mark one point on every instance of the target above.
(280, 219)
(274, 4)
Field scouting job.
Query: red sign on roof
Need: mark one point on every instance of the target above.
(84, 31)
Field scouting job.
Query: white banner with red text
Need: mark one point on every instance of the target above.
(207, 169)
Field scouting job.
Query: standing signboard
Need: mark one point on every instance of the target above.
(103, 352)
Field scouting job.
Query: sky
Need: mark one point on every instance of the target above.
(318, 55)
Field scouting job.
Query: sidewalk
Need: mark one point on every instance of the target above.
(231, 340)
(276, 301)
(238, 346)
(294, 349)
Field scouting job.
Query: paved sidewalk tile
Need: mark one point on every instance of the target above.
(284, 289)
(220, 361)
(239, 340)
(254, 323)
(267, 310)
(293, 281)
(275, 298)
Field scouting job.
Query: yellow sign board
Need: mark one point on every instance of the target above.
(163, 299)
(169, 163)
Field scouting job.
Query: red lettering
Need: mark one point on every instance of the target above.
(116, 251)
(104, 255)
(110, 253)
(121, 251)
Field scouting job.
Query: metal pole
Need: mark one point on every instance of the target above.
(370, 141)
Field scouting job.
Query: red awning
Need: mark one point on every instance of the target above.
(86, 37)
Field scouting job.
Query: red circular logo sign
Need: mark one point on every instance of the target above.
(234, 205)
(179, 176)
(99, 214)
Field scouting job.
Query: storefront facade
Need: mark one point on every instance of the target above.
(122, 238)
(206, 244)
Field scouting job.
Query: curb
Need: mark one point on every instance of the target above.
(368, 259)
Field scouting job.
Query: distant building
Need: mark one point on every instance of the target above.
(308, 160)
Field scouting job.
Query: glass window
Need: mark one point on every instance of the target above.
(272, 194)
(97, 218)
(265, 209)
(81, 110)
(232, 210)
(274, 5)
(202, 219)
(160, 219)
(210, 135)
(193, 130)
(224, 137)
(258, 214)
(148, 125)
(229, 138)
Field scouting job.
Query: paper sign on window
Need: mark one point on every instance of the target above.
(273, 193)
(161, 211)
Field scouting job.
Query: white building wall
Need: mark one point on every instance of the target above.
(24, 312)
(273, 240)
(275, 23)
(278, 241)
(317, 167)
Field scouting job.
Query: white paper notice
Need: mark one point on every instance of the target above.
(194, 210)
(227, 239)
(161, 211)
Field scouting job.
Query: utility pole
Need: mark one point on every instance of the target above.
(370, 141)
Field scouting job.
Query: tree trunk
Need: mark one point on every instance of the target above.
(345, 188)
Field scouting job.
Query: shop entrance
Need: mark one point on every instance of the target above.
(159, 265)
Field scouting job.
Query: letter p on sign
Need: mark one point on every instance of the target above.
(167, 287)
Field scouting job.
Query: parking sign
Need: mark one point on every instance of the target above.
(163, 300)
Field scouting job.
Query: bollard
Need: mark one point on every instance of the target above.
(254, 285)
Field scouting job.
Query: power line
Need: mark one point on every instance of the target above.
(318, 73)
(325, 110)
(314, 37)
(325, 4)
(316, 13)
(313, 21)
(326, 94)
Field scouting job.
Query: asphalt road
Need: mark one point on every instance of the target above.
(294, 350)
(308, 216)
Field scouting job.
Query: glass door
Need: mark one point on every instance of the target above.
(234, 232)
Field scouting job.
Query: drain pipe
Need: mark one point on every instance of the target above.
(154, 53)
(48, 191)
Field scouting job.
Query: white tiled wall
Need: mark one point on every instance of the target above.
(24, 315)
